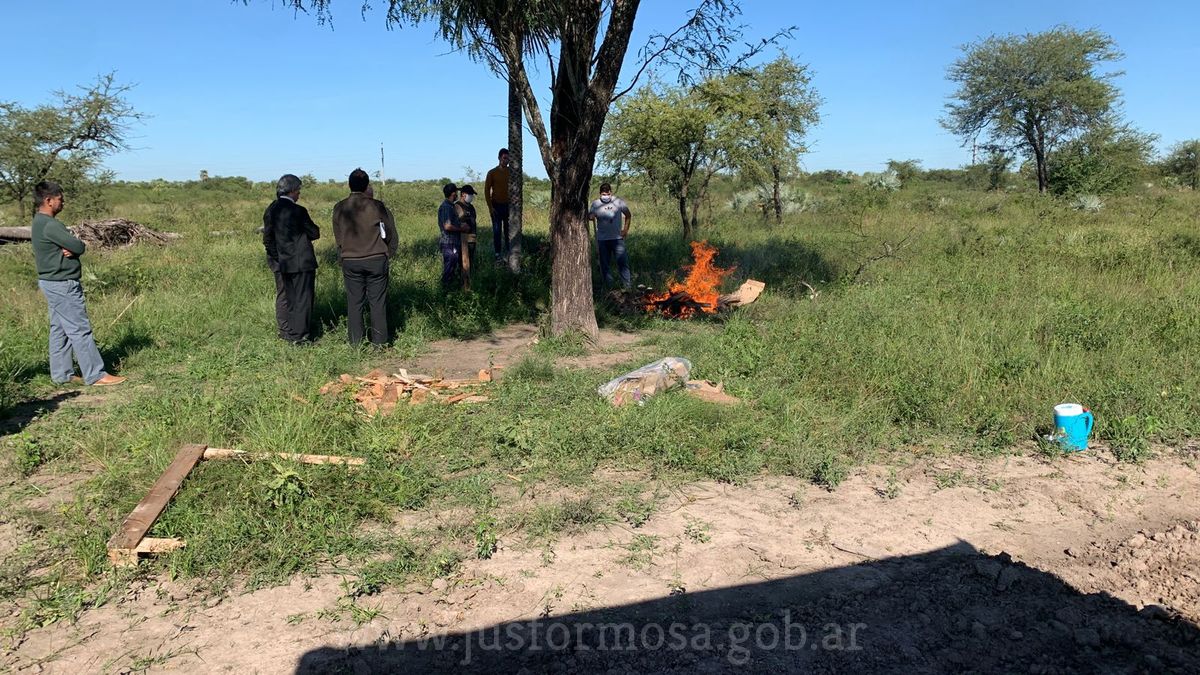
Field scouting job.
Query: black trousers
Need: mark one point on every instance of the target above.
(298, 294)
(281, 306)
(499, 228)
(366, 282)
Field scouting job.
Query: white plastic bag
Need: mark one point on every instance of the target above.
(650, 379)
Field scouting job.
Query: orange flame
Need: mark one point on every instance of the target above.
(699, 287)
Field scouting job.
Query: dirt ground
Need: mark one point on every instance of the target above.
(508, 345)
(1020, 563)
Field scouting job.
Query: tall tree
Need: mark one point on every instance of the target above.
(676, 138)
(586, 56)
(1032, 92)
(68, 139)
(477, 26)
(778, 105)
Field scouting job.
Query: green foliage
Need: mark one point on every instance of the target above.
(1103, 160)
(752, 121)
(28, 454)
(1032, 91)
(485, 538)
(65, 141)
(906, 170)
(1183, 163)
(671, 135)
(285, 489)
(998, 164)
(10, 372)
(774, 106)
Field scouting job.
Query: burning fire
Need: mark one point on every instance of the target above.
(697, 293)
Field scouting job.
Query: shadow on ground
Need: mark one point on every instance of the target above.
(951, 610)
(21, 415)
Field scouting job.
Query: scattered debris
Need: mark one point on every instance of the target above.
(110, 233)
(711, 392)
(119, 233)
(650, 379)
(380, 392)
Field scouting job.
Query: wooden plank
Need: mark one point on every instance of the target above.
(122, 547)
(153, 545)
(227, 453)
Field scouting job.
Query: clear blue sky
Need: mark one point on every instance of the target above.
(253, 91)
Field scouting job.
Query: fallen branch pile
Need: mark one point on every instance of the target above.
(379, 392)
(119, 232)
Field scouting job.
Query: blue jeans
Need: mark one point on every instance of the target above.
(607, 249)
(451, 264)
(70, 331)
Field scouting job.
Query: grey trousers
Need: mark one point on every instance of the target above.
(70, 331)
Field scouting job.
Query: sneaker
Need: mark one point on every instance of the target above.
(108, 381)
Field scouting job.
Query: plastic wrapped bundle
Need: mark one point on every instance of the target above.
(641, 384)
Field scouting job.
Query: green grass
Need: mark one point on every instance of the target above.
(996, 308)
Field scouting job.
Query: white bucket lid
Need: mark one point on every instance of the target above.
(1068, 409)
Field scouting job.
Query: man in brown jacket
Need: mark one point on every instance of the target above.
(365, 233)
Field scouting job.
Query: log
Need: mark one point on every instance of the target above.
(123, 546)
(16, 233)
(227, 453)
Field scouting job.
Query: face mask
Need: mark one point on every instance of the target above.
(606, 198)
(468, 198)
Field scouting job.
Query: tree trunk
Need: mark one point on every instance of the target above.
(683, 216)
(1043, 175)
(572, 309)
(775, 196)
(516, 176)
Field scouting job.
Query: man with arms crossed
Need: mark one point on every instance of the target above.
(56, 253)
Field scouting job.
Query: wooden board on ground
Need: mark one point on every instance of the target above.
(227, 453)
(131, 540)
(123, 546)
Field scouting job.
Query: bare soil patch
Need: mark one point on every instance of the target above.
(1016, 563)
(506, 346)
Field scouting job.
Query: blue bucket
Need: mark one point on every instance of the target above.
(1072, 426)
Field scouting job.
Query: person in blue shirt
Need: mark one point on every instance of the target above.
(449, 241)
(612, 217)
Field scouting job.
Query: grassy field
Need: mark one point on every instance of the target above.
(983, 311)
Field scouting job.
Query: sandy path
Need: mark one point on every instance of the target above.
(999, 564)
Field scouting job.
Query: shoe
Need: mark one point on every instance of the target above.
(108, 381)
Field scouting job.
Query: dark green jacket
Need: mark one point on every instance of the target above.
(50, 237)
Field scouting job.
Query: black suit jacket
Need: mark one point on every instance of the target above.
(288, 234)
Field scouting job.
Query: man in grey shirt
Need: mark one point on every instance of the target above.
(612, 217)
